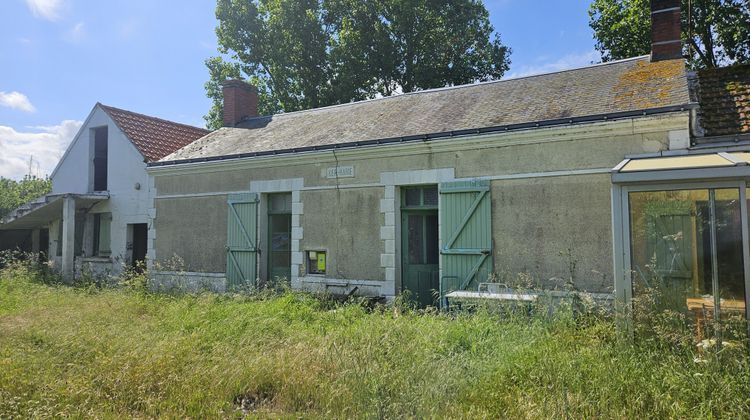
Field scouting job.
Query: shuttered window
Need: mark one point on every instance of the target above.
(102, 234)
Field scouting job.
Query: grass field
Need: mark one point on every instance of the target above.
(111, 353)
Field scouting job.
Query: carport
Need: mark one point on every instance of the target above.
(42, 212)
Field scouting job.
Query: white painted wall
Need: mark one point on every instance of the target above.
(125, 169)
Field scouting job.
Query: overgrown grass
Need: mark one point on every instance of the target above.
(122, 352)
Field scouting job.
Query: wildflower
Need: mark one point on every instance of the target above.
(730, 344)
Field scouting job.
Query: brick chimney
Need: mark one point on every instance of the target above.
(240, 101)
(666, 39)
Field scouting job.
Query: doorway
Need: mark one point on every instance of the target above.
(279, 238)
(140, 244)
(43, 245)
(419, 244)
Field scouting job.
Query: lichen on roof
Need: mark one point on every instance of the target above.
(629, 85)
(643, 85)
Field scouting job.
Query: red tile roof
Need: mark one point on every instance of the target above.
(153, 137)
(725, 100)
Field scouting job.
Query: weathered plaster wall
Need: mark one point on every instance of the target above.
(194, 230)
(346, 223)
(550, 197)
(554, 230)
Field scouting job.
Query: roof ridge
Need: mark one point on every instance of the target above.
(109, 107)
(444, 88)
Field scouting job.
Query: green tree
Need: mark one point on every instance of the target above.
(715, 32)
(311, 53)
(15, 193)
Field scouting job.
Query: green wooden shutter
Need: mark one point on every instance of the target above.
(242, 225)
(105, 234)
(466, 234)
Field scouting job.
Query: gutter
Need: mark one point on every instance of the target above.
(721, 141)
(438, 135)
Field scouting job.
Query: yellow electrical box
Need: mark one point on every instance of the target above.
(321, 262)
(316, 262)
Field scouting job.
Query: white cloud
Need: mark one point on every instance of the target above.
(45, 9)
(16, 100)
(44, 144)
(565, 62)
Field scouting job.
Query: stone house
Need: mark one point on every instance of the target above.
(431, 192)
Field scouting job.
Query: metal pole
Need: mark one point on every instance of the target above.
(745, 245)
(714, 265)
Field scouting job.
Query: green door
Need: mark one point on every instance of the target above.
(279, 237)
(242, 223)
(419, 244)
(466, 241)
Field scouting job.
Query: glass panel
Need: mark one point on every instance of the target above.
(280, 232)
(667, 231)
(281, 259)
(280, 203)
(432, 239)
(431, 196)
(416, 239)
(729, 246)
(413, 197)
(729, 264)
(280, 256)
(671, 249)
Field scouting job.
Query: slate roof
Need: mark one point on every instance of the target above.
(615, 87)
(154, 137)
(724, 96)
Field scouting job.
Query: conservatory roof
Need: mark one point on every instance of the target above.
(683, 167)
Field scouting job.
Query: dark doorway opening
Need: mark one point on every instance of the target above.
(43, 245)
(140, 244)
(100, 158)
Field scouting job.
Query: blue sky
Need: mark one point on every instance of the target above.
(59, 57)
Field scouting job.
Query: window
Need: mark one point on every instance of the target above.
(99, 160)
(280, 203)
(279, 236)
(420, 197)
(316, 262)
(102, 227)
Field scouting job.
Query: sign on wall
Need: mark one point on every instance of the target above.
(340, 172)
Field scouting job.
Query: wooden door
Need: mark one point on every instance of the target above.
(419, 264)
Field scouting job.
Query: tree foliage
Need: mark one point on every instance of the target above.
(715, 32)
(310, 53)
(15, 193)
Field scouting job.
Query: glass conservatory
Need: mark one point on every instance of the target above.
(680, 227)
